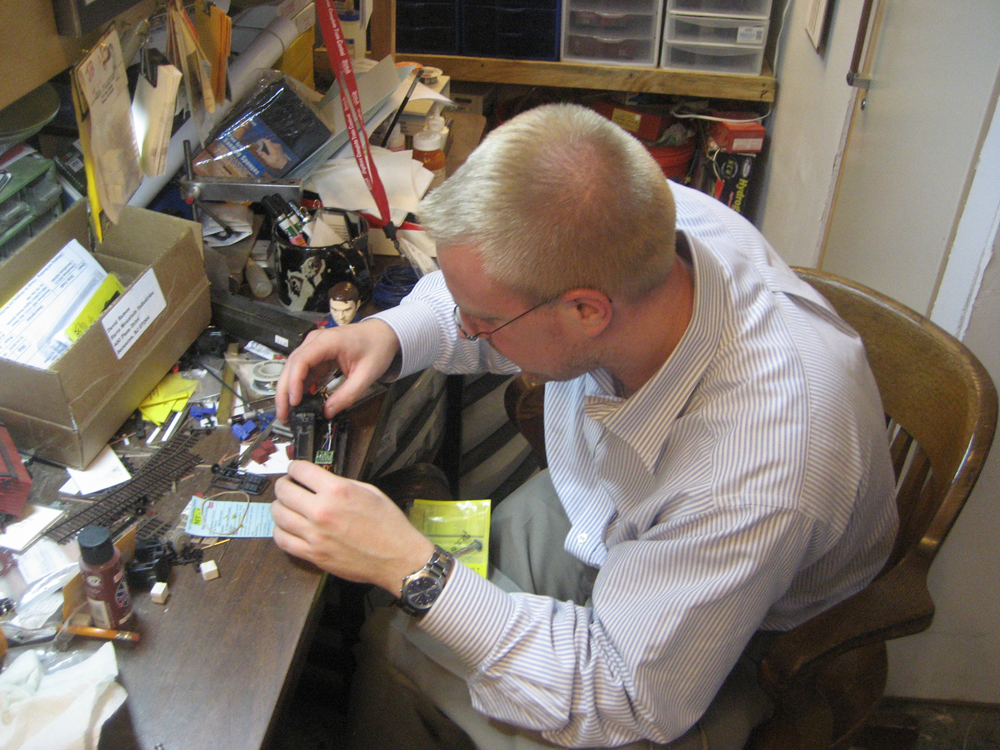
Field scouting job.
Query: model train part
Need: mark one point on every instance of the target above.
(257, 321)
(306, 420)
(122, 503)
(238, 480)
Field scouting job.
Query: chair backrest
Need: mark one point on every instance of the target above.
(940, 405)
(828, 674)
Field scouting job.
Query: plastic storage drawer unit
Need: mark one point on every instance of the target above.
(744, 32)
(730, 8)
(713, 58)
(612, 32)
(515, 29)
(427, 28)
(29, 201)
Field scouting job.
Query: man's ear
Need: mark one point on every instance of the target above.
(590, 309)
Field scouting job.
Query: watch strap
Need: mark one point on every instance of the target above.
(438, 567)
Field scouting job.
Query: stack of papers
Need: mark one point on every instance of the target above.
(52, 310)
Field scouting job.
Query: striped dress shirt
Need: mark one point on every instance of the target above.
(746, 486)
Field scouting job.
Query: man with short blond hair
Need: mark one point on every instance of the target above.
(718, 466)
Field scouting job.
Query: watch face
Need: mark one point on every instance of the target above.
(422, 591)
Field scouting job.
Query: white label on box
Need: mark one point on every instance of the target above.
(134, 312)
(750, 35)
(748, 144)
(625, 119)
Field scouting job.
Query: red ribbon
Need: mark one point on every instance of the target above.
(350, 100)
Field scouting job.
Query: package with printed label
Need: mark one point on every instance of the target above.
(67, 411)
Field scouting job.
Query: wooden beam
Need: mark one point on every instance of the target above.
(605, 77)
(383, 29)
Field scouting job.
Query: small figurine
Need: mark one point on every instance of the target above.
(344, 302)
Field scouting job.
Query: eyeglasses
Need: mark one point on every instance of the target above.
(477, 336)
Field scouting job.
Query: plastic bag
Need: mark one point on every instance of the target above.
(461, 528)
(270, 132)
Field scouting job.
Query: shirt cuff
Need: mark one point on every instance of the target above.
(469, 617)
(416, 328)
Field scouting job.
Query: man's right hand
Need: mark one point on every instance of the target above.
(362, 351)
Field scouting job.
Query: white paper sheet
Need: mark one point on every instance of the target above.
(32, 524)
(340, 184)
(34, 321)
(103, 472)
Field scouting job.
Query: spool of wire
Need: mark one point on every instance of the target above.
(394, 284)
(265, 375)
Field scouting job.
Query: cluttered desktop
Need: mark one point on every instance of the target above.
(155, 271)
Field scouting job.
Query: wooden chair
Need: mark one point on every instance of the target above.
(828, 675)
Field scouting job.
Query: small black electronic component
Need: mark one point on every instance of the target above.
(315, 438)
(238, 480)
(306, 421)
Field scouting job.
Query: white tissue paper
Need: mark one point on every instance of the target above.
(340, 185)
(61, 710)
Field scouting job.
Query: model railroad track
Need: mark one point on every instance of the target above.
(128, 500)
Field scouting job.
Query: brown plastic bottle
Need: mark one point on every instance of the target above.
(104, 579)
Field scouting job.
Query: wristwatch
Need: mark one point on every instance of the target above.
(423, 587)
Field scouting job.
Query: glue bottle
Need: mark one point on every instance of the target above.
(104, 578)
(428, 148)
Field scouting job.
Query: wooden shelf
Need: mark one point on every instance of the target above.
(32, 51)
(603, 77)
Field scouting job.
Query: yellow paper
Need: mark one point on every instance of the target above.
(215, 31)
(109, 289)
(459, 527)
(172, 394)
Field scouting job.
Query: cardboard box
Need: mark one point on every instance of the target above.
(474, 97)
(727, 176)
(67, 413)
(645, 123)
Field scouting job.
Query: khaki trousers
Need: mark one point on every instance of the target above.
(408, 692)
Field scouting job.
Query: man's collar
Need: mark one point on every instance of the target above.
(640, 419)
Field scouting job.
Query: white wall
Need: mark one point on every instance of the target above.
(806, 131)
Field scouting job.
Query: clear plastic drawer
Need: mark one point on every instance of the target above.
(744, 32)
(712, 58)
(733, 8)
(602, 21)
(612, 32)
(610, 50)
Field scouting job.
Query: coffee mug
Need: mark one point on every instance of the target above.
(305, 275)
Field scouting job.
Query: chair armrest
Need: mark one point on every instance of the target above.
(895, 604)
(524, 400)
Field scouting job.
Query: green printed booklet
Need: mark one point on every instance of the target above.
(461, 528)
